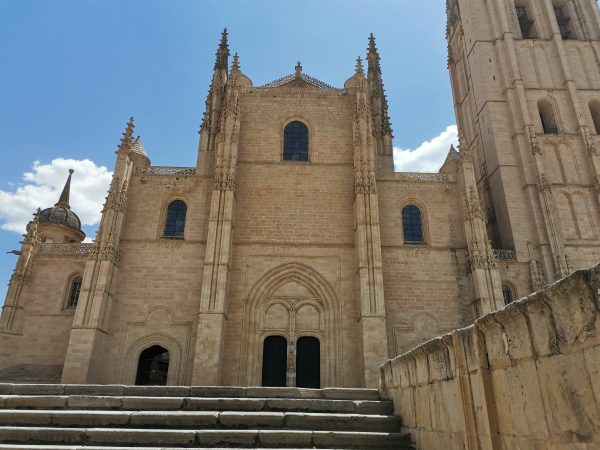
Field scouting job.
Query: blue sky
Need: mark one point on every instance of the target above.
(72, 73)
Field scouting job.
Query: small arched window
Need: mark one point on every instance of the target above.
(295, 142)
(175, 221)
(412, 224)
(508, 294)
(547, 117)
(595, 112)
(74, 291)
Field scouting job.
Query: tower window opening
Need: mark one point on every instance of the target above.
(563, 22)
(508, 294)
(175, 221)
(595, 112)
(547, 117)
(295, 142)
(412, 225)
(74, 293)
(525, 23)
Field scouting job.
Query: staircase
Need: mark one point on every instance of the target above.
(158, 417)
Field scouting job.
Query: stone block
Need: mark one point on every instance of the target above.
(368, 407)
(227, 438)
(95, 389)
(223, 404)
(539, 316)
(18, 417)
(217, 391)
(157, 391)
(35, 402)
(175, 419)
(89, 418)
(151, 403)
(285, 439)
(46, 435)
(123, 436)
(236, 419)
(94, 402)
(38, 389)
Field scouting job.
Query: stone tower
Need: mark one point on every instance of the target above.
(526, 84)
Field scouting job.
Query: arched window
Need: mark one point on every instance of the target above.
(175, 221)
(295, 142)
(595, 112)
(74, 292)
(412, 225)
(549, 124)
(507, 293)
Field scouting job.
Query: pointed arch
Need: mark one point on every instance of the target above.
(322, 296)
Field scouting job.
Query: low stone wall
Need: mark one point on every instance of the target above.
(524, 377)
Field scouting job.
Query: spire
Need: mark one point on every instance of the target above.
(127, 139)
(222, 52)
(63, 201)
(138, 147)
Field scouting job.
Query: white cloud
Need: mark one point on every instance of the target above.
(42, 187)
(429, 156)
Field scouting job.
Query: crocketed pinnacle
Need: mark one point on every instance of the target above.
(235, 67)
(63, 201)
(127, 139)
(359, 67)
(372, 53)
(222, 52)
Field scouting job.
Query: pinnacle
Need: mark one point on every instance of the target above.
(127, 138)
(222, 51)
(235, 67)
(63, 201)
(359, 67)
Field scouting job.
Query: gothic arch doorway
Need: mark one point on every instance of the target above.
(153, 366)
(274, 367)
(293, 301)
(308, 362)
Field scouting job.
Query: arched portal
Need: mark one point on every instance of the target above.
(308, 362)
(274, 367)
(292, 300)
(153, 367)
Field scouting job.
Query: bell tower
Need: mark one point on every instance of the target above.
(525, 79)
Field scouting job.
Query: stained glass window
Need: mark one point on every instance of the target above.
(295, 142)
(411, 223)
(175, 223)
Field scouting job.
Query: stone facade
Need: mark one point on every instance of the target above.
(317, 248)
(525, 377)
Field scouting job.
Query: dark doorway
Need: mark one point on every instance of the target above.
(153, 367)
(274, 361)
(308, 362)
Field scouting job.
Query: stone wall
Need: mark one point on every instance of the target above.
(524, 377)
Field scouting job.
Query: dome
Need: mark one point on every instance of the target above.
(59, 215)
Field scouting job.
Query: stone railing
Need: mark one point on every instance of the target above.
(505, 255)
(165, 170)
(424, 177)
(51, 248)
(525, 377)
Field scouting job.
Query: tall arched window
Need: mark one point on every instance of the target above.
(74, 291)
(595, 112)
(295, 142)
(547, 117)
(508, 294)
(175, 221)
(412, 224)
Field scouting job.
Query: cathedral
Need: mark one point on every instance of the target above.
(292, 253)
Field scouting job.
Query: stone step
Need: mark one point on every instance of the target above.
(189, 391)
(147, 403)
(113, 437)
(94, 447)
(201, 420)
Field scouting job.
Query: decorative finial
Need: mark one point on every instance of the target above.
(359, 66)
(298, 68)
(63, 201)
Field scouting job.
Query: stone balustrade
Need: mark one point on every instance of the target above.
(505, 255)
(524, 377)
(52, 248)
